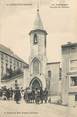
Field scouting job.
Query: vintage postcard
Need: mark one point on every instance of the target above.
(38, 58)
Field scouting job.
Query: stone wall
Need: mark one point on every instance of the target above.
(54, 80)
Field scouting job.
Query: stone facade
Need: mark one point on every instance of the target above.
(40, 72)
(53, 76)
(69, 73)
(10, 64)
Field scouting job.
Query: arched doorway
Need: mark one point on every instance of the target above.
(35, 83)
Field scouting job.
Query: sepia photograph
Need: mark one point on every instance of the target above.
(38, 58)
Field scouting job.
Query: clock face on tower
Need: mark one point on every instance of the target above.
(35, 40)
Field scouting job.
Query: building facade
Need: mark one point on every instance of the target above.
(69, 73)
(41, 73)
(10, 65)
(53, 78)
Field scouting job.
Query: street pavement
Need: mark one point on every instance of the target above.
(11, 109)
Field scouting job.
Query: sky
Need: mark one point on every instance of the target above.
(17, 21)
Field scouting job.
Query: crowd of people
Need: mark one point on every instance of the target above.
(29, 95)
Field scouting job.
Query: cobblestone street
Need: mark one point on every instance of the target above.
(11, 109)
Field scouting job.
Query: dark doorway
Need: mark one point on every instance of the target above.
(35, 83)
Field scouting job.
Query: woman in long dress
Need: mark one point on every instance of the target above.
(17, 95)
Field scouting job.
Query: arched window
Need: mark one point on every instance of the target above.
(75, 97)
(36, 66)
(35, 39)
(49, 74)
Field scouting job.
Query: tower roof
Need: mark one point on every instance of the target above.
(38, 25)
(38, 22)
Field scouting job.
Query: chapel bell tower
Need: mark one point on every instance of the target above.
(38, 57)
